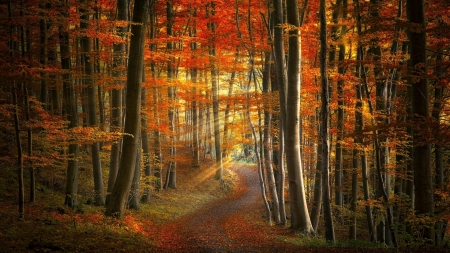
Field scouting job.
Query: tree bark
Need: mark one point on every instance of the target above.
(268, 140)
(325, 128)
(281, 75)
(423, 191)
(146, 155)
(134, 198)
(299, 209)
(195, 102)
(133, 108)
(89, 82)
(359, 124)
(116, 95)
(71, 113)
(211, 12)
(171, 171)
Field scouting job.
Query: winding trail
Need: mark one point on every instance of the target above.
(211, 229)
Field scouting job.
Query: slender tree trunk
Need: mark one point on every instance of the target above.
(195, 102)
(255, 144)
(133, 108)
(43, 56)
(211, 12)
(71, 113)
(324, 131)
(281, 73)
(171, 171)
(338, 168)
(359, 123)
(438, 149)
(157, 160)
(228, 109)
(116, 96)
(28, 114)
(89, 82)
(268, 140)
(21, 191)
(19, 154)
(146, 155)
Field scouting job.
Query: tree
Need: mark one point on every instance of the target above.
(171, 171)
(93, 122)
(116, 94)
(133, 116)
(195, 103)
(280, 87)
(267, 140)
(299, 209)
(423, 191)
(71, 113)
(210, 12)
(325, 128)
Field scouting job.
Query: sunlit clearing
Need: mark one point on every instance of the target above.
(210, 172)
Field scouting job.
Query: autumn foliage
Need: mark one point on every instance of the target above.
(387, 137)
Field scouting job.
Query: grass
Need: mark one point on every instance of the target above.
(311, 241)
(48, 225)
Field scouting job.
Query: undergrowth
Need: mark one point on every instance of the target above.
(50, 226)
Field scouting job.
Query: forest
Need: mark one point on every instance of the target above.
(224, 126)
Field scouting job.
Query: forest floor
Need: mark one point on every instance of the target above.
(198, 216)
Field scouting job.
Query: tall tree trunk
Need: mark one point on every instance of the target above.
(299, 209)
(268, 140)
(424, 201)
(228, 108)
(359, 123)
(27, 113)
(211, 12)
(133, 111)
(97, 70)
(338, 168)
(21, 191)
(89, 82)
(374, 54)
(325, 128)
(195, 102)
(438, 149)
(71, 113)
(157, 160)
(171, 171)
(255, 144)
(116, 95)
(281, 74)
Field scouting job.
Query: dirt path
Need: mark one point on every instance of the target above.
(212, 229)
